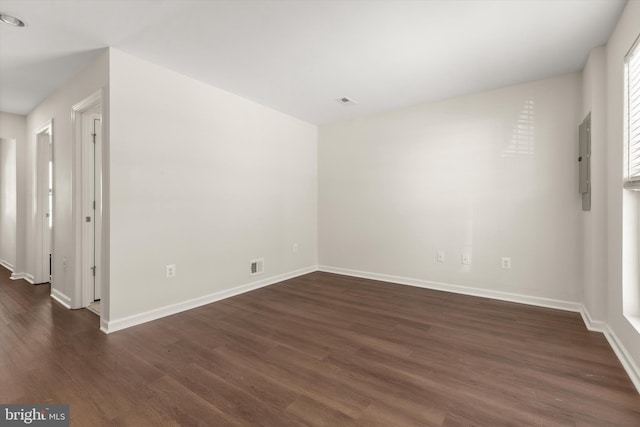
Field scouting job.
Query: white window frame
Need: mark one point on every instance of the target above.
(631, 199)
(632, 117)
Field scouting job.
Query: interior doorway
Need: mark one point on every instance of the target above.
(92, 138)
(8, 204)
(44, 203)
(87, 118)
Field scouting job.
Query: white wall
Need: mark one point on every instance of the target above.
(492, 174)
(203, 179)
(12, 127)
(58, 107)
(8, 203)
(594, 225)
(622, 212)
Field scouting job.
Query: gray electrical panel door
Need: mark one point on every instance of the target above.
(584, 163)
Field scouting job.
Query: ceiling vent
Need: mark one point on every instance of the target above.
(346, 101)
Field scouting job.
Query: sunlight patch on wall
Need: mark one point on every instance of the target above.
(522, 142)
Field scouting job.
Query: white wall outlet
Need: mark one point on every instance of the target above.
(440, 256)
(295, 247)
(466, 259)
(506, 263)
(171, 270)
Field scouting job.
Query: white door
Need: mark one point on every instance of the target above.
(48, 203)
(91, 183)
(87, 200)
(97, 197)
(44, 204)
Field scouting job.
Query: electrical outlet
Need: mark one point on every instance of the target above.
(295, 247)
(466, 259)
(440, 256)
(171, 270)
(506, 263)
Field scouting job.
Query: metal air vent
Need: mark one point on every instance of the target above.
(256, 266)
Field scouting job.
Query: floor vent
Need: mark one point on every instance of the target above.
(256, 266)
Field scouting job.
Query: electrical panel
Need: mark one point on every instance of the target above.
(584, 163)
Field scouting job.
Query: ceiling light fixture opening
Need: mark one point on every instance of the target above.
(11, 20)
(346, 101)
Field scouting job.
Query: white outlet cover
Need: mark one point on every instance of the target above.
(440, 256)
(171, 270)
(466, 259)
(506, 263)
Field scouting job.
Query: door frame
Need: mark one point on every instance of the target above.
(44, 239)
(83, 291)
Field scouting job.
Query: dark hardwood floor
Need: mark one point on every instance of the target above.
(321, 350)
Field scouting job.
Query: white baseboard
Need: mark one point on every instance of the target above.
(625, 358)
(23, 276)
(137, 319)
(6, 265)
(61, 298)
(616, 345)
(457, 289)
(593, 325)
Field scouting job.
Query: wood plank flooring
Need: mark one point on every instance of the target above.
(318, 350)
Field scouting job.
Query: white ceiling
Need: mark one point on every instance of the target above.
(298, 57)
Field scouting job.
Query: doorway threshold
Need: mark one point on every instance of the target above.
(94, 307)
